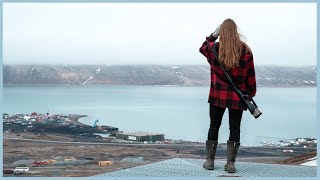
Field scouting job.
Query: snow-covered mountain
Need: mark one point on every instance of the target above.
(184, 75)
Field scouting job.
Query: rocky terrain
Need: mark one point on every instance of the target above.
(21, 151)
(181, 75)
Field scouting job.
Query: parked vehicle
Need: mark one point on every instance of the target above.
(8, 171)
(21, 170)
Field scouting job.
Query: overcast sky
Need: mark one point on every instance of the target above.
(153, 33)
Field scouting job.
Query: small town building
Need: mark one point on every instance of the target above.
(140, 136)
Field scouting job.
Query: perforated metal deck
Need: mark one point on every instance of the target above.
(182, 167)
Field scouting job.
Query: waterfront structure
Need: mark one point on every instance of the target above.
(140, 136)
(108, 129)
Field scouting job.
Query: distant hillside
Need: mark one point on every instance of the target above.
(184, 75)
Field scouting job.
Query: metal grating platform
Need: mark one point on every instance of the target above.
(182, 167)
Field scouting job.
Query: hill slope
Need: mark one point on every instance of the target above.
(184, 75)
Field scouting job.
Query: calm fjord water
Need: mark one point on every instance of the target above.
(178, 112)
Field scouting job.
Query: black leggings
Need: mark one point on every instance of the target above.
(216, 114)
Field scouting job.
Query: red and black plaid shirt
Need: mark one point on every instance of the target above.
(221, 91)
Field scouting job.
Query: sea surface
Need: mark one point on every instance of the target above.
(177, 112)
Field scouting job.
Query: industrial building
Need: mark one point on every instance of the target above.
(140, 136)
(108, 128)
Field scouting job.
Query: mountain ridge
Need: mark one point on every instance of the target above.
(179, 75)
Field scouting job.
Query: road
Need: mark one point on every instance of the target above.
(105, 143)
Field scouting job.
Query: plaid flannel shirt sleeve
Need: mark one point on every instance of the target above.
(205, 48)
(251, 78)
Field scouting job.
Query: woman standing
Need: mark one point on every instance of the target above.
(236, 57)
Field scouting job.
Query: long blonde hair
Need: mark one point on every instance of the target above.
(230, 44)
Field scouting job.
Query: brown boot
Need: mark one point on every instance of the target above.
(232, 149)
(211, 147)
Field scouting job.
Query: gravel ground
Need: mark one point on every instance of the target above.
(15, 150)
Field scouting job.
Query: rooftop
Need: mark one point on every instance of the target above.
(140, 133)
(184, 167)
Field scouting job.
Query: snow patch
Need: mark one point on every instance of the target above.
(310, 162)
(174, 67)
(87, 80)
(32, 69)
(97, 71)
